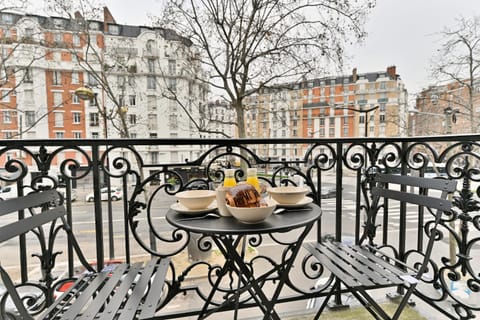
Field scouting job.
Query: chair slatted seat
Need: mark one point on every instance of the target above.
(364, 267)
(124, 291)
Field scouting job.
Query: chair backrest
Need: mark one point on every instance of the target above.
(384, 182)
(33, 201)
(30, 213)
(388, 186)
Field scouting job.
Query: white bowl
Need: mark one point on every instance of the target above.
(252, 215)
(287, 194)
(196, 199)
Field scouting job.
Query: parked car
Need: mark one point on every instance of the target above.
(328, 192)
(115, 194)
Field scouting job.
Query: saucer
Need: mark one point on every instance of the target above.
(299, 204)
(177, 206)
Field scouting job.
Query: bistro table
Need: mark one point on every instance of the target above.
(228, 234)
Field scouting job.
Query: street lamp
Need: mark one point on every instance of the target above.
(365, 111)
(85, 93)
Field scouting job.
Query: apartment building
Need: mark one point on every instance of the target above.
(144, 74)
(450, 108)
(372, 104)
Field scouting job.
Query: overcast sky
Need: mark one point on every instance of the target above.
(403, 33)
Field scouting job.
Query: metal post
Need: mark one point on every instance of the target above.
(85, 93)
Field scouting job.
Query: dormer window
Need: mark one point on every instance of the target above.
(150, 45)
(93, 26)
(7, 18)
(114, 29)
(58, 23)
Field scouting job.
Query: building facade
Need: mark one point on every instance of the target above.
(451, 108)
(143, 79)
(370, 104)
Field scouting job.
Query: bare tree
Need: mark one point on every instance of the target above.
(247, 45)
(457, 63)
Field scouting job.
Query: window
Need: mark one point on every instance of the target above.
(7, 117)
(58, 23)
(153, 135)
(151, 65)
(76, 40)
(331, 121)
(56, 78)
(93, 102)
(58, 38)
(95, 135)
(154, 157)
(152, 122)
(57, 99)
(121, 100)
(8, 134)
(27, 77)
(382, 118)
(114, 29)
(58, 119)
(5, 96)
(7, 18)
(94, 26)
(59, 135)
(151, 82)
(132, 118)
(151, 103)
(121, 81)
(75, 98)
(94, 121)
(322, 121)
(172, 67)
(172, 85)
(77, 135)
(76, 117)
(28, 97)
(150, 45)
(29, 118)
(92, 81)
(331, 132)
(361, 119)
(75, 78)
(132, 100)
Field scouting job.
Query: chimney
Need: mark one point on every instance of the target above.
(354, 75)
(392, 72)
(107, 18)
(78, 16)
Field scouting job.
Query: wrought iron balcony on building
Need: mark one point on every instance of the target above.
(137, 229)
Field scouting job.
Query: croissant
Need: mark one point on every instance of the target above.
(243, 195)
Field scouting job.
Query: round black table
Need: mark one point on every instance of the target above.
(289, 220)
(229, 234)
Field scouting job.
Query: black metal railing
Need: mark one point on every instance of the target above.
(142, 177)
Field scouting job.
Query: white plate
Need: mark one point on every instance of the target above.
(299, 204)
(177, 206)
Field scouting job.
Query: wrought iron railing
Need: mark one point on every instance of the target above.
(134, 226)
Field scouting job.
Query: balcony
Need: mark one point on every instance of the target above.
(134, 228)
